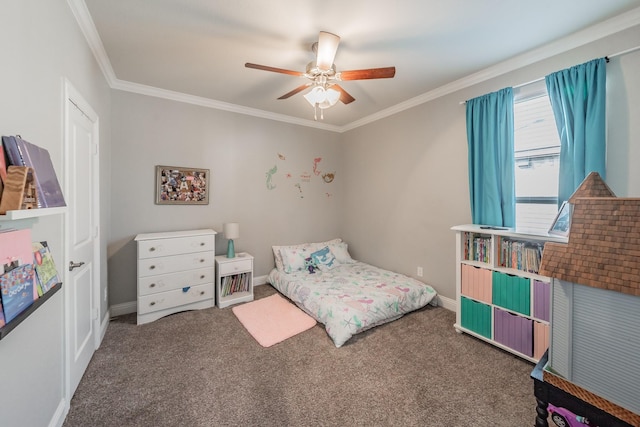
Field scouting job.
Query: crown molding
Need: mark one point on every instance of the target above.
(141, 89)
(580, 38)
(88, 28)
(603, 29)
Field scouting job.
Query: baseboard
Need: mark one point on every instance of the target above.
(448, 303)
(103, 326)
(59, 416)
(124, 308)
(260, 280)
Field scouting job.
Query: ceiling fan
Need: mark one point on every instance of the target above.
(323, 77)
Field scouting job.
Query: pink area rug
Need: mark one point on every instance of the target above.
(272, 319)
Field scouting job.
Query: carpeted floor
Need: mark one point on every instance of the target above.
(202, 368)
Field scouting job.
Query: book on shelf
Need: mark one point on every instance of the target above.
(15, 249)
(16, 289)
(23, 153)
(46, 272)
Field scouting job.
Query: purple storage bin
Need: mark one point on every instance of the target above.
(541, 300)
(513, 331)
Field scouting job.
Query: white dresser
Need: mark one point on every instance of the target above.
(176, 272)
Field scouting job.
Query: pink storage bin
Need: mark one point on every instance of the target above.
(540, 339)
(476, 283)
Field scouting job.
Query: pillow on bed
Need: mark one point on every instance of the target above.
(324, 259)
(312, 247)
(293, 259)
(340, 251)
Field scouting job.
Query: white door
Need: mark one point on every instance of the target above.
(82, 269)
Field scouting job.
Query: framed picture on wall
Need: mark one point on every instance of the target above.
(182, 186)
(562, 222)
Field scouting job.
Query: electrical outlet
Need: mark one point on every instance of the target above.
(419, 271)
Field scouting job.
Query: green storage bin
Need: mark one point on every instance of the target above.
(476, 317)
(511, 292)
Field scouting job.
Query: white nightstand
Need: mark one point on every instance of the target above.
(234, 279)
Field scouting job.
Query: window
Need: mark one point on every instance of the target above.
(537, 159)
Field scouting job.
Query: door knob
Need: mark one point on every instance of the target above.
(73, 265)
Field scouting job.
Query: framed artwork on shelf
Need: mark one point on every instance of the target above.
(562, 222)
(182, 186)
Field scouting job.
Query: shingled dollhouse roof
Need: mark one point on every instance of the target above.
(604, 241)
(592, 186)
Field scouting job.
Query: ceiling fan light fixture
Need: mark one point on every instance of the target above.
(321, 97)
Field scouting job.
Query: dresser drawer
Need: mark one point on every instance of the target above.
(231, 267)
(174, 298)
(175, 263)
(166, 282)
(176, 245)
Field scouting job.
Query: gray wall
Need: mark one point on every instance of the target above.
(406, 180)
(238, 150)
(41, 44)
(401, 182)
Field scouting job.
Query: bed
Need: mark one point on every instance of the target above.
(345, 295)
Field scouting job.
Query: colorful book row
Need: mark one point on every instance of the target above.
(477, 247)
(525, 256)
(235, 283)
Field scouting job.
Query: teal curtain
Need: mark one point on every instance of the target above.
(491, 159)
(578, 99)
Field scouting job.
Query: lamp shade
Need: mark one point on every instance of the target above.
(231, 230)
(321, 97)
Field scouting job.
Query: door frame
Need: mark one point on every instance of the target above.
(72, 96)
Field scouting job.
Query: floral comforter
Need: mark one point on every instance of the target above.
(352, 297)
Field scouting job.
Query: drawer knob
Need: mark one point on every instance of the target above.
(202, 244)
(152, 267)
(202, 260)
(151, 249)
(153, 285)
(201, 292)
(202, 276)
(152, 303)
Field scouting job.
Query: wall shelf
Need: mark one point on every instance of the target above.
(25, 218)
(28, 311)
(31, 213)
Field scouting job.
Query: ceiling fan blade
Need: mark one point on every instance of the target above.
(344, 96)
(273, 69)
(327, 47)
(369, 73)
(296, 90)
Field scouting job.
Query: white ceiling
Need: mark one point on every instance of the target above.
(195, 50)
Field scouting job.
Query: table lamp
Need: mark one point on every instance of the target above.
(231, 231)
